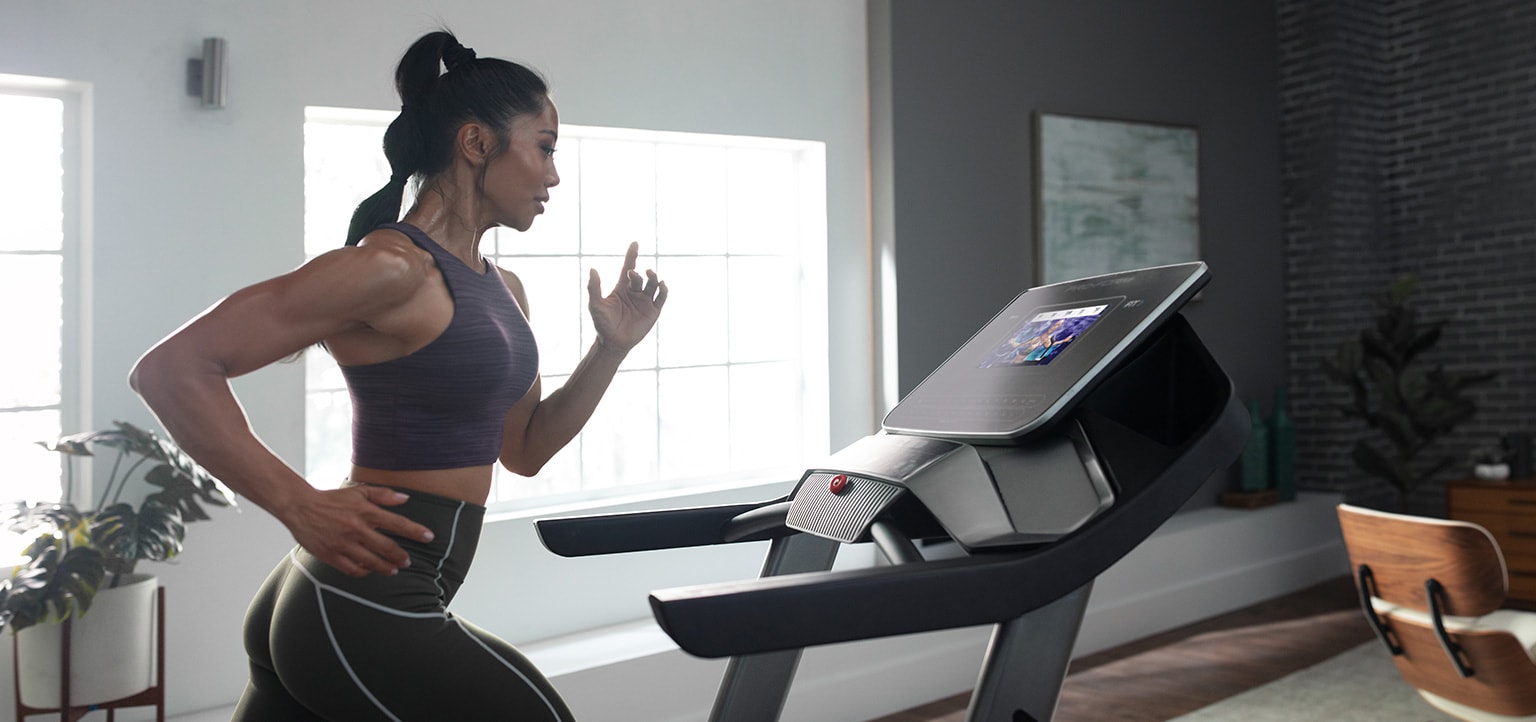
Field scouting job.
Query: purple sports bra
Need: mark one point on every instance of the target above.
(442, 406)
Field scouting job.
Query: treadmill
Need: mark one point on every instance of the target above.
(1059, 437)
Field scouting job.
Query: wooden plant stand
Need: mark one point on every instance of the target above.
(154, 696)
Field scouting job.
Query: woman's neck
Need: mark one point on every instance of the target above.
(449, 224)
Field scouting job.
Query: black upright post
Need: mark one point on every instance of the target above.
(1027, 661)
(756, 685)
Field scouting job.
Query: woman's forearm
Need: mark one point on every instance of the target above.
(559, 417)
(194, 403)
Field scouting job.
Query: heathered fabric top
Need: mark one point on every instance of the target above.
(442, 406)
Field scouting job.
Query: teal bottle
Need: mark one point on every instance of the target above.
(1282, 452)
(1255, 460)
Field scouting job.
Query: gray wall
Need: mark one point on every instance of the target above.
(954, 87)
(1409, 149)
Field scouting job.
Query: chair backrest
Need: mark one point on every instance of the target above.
(1427, 570)
(1403, 552)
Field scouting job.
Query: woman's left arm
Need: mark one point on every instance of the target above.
(535, 429)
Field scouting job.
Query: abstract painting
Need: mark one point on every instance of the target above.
(1113, 195)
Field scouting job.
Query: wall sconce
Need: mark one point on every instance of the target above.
(207, 77)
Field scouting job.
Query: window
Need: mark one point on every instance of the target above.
(730, 387)
(41, 151)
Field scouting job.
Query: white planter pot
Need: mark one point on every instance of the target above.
(112, 650)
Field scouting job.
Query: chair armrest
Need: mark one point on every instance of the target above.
(1521, 624)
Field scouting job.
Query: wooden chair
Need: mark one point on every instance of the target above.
(1434, 591)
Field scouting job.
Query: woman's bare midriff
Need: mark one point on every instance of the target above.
(469, 483)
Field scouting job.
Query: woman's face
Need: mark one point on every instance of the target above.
(517, 181)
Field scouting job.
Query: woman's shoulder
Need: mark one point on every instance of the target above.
(384, 261)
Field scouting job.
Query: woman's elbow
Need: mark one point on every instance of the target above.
(522, 466)
(153, 373)
(142, 377)
(523, 459)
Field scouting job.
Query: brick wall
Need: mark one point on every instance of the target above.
(1409, 146)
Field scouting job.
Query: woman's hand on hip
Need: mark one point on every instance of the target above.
(346, 527)
(627, 313)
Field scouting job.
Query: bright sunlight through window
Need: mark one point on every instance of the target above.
(731, 386)
(32, 262)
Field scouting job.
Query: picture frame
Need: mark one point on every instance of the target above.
(1113, 195)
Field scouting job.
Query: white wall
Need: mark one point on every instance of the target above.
(191, 204)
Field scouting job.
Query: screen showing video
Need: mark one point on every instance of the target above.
(1042, 338)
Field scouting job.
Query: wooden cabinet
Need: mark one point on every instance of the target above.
(1508, 510)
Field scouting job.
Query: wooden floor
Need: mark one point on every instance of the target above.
(1182, 670)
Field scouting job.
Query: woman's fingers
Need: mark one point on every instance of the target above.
(594, 286)
(391, 522)
(631, 255)
(351, 529)
(661, 294)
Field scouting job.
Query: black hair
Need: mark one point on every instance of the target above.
(434, 105)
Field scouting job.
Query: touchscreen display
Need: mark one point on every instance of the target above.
(1042, 338)
(1059, 340)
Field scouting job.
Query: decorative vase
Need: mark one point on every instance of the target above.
(1255, 459)
(1282, 454)
(111, 651)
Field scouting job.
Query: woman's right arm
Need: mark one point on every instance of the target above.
(184, 379)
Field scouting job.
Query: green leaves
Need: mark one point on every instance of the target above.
(75, 550)
(153, 532)
(53, 585)
(181, 490)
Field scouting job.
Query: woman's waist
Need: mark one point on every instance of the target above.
(470, 484)
(424, 588)
(455, 525)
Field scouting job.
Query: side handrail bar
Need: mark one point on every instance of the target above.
(664, 529)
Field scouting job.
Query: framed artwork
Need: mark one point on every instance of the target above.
(1113, 195)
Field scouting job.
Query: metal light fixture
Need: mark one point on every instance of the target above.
(207, 77)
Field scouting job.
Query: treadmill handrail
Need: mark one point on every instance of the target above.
(663, 529)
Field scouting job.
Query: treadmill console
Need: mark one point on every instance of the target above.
(1040, 355)
(988, 444)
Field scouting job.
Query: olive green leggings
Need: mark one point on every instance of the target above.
(326, 646)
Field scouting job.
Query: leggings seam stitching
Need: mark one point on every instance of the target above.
(508, 664)
(342, 656)
(453, 534)
(360, 600)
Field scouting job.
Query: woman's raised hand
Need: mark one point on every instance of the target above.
(627, 313)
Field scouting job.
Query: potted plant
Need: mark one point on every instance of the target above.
(1410, 403)
(84, 559)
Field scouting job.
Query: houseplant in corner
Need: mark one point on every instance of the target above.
(1411, 404)
(81, 562)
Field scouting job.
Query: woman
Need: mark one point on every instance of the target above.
(352, 625)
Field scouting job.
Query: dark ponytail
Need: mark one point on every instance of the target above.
(434, 105)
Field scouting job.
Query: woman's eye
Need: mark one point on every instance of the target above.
(549, 151)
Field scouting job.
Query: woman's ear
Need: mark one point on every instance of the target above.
(475, 142)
